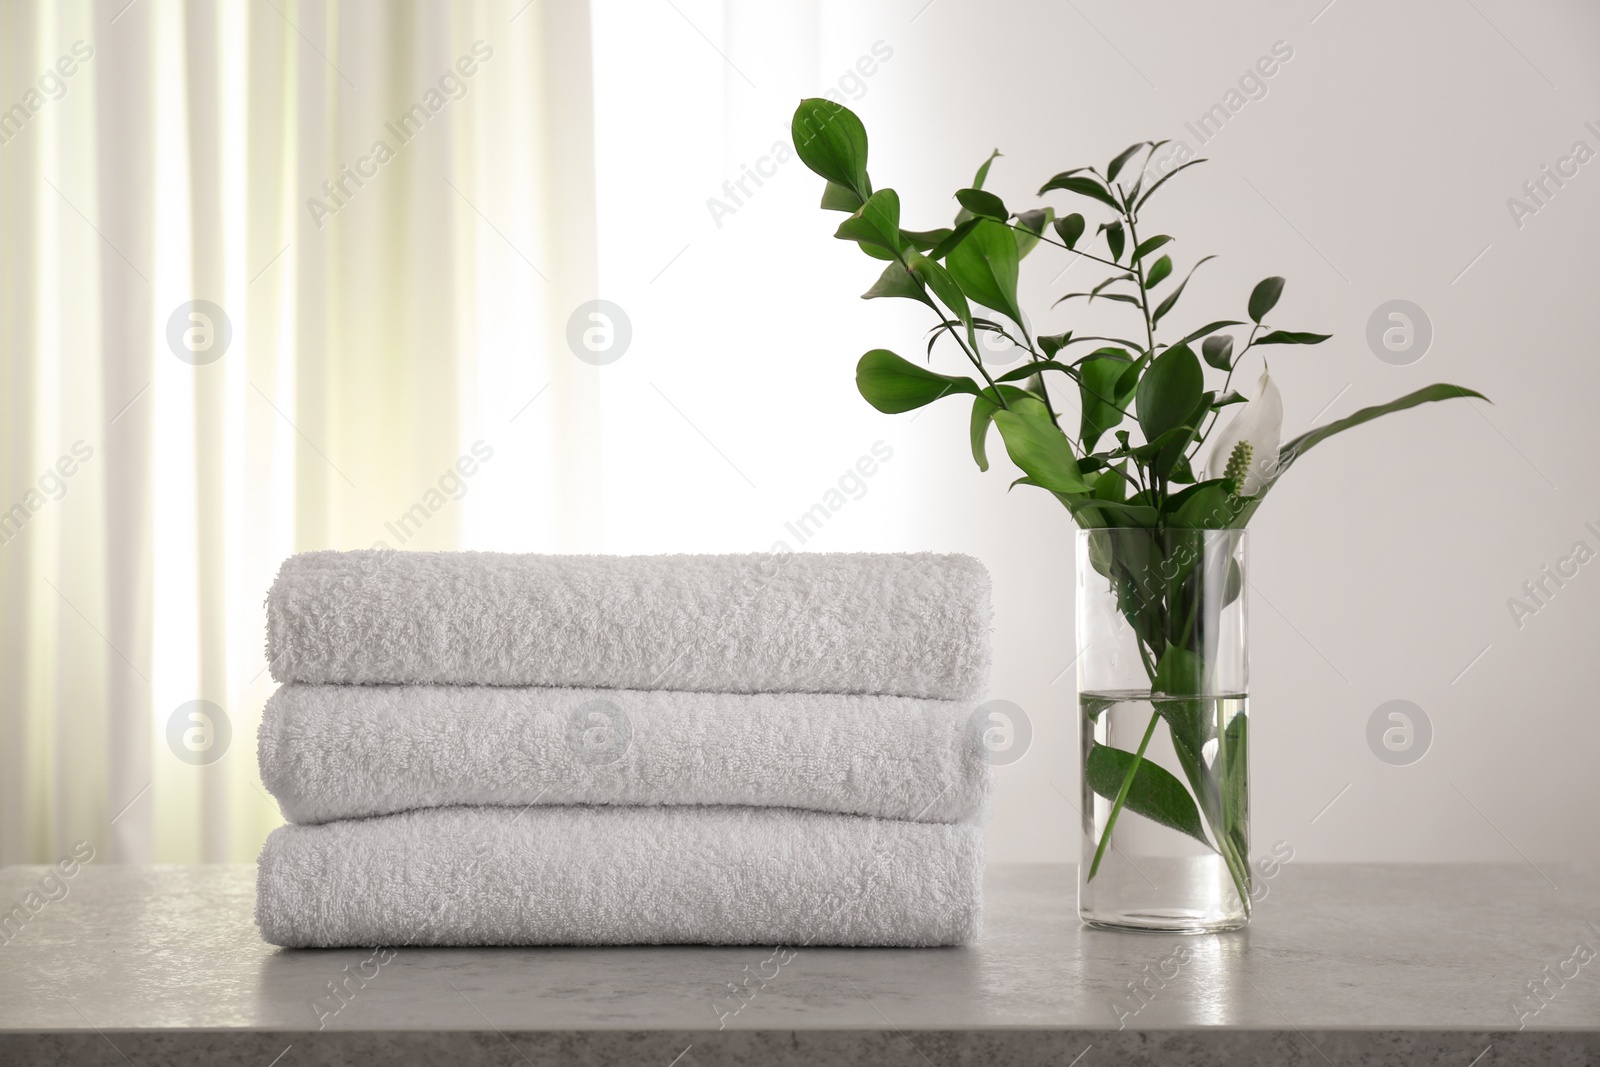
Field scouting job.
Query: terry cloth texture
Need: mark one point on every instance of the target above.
(613, 876)
(337, 751)
(897, 624)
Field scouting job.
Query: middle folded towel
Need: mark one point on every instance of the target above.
(335, 752)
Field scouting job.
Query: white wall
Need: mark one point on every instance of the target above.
(1378, 166)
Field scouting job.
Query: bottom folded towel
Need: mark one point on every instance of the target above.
(618, 876)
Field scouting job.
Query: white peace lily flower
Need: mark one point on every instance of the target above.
(1260, 422)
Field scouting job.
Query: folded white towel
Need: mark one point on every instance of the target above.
(909, 625)
(340, 751)
(611, 876)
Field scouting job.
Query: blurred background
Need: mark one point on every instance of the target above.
(273, 271)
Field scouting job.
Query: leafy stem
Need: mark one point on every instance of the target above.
(1158, 484)
(975, 264)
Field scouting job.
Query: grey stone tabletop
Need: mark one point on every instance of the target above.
(1474, 965)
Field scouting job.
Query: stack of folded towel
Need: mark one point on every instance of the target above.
(490, 749)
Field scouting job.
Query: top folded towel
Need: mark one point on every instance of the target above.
(902, 624)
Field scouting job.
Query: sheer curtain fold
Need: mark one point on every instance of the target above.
(365, 317)
(123, 113)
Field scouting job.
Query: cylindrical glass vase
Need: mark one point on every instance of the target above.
(1163, 677)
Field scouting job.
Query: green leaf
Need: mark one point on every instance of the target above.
(1123, 341)
(1161, 453)
(1131, 767)
(944, 287)
(1172, 298)
(1103, 404)
(922, 240)
(1149, 245)
(1132, 192)
(1209, 328)
(983, 171)
(897, 281)
(1155, 793)
(1097, 290)
(984, 265)
(1115, 166)
(966, 213)
(1179, 673)
(983, 204)
(1148, 193)
(1036, 219)
(1038, 448)
(893, 385)
(876, 223)
(1052, 343)
(1207, 506)
(1092, 512)
(1232, 396)
(1168, 391)
(1191, 723)
(955, 237)
(1121, 355)
(1116, 240)
(1121, 298)
(1218, 351)
(1191, 727)
(1130, 377)
(1175, 503)
(1111, 484)
(1290, 337)
(836, 197)
(1089, 187)
(983, 410)
(1030, 225)
(831, 140)
(1165, 452)
(1093, 706)
(1028, 370)
(1158, 272)
(1234, 755)
(994, 327)
(1069, 173)
(1302, 444)
(1264, 297)
(1070, 229)
(1234, 584)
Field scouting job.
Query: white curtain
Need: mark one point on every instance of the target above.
(276, 276)
(290, 274)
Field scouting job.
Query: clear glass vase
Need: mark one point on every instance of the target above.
(1163, 677)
